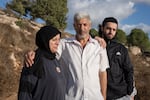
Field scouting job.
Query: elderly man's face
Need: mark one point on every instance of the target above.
(82, 28)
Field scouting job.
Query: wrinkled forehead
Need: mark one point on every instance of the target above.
(80, 16)
(82, 21)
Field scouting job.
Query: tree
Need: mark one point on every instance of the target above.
(121, 36)
(17, 6)
(93, 33)
(53, 12)
(139, 38)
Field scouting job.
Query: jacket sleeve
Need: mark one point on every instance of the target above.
(27, 84)
(128, 71)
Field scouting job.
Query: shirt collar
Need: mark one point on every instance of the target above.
(74, 40)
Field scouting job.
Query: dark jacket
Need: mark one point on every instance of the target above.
(120, 73)
(45, 80)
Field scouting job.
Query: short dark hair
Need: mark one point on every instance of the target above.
(109, 19)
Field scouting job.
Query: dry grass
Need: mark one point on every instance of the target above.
(13, 44)
(142, 76)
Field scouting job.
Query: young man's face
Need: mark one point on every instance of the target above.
(109, 30)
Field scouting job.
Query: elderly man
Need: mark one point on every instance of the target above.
(87, 62)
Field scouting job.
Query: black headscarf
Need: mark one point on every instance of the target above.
(42, 39)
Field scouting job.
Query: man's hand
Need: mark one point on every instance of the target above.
(132, 97)
(29, 58)
(103, 83)
(101, 41)
(134, 92)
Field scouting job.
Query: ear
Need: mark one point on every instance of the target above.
(74, 25)
(102, 28)
(102, 33)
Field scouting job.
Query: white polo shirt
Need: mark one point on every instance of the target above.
(84, 65)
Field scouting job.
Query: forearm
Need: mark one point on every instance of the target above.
(103, 83)
(130, 82)
(128, 72)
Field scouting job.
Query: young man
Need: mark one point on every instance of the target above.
(120, 74)
(87, 62)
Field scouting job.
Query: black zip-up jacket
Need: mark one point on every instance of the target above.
(120, 73)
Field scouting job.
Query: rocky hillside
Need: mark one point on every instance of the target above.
(17, 36)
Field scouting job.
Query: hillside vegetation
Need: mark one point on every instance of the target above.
(17, 36)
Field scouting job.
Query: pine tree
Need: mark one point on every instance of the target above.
(53, 12)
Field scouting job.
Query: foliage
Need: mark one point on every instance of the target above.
(138, 37)
(20, 24)
(17, 6)
(93, 33)
(121, 36)
(53, 12)
(24, 25)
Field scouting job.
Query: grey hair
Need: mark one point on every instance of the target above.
(81, 15)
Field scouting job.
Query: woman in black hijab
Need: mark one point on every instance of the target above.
(45, 80)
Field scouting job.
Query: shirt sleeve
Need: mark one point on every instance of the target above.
(104, 63)
(27, 84)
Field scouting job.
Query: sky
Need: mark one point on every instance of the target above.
(130, 13)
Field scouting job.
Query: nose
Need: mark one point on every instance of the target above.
(57, 42)
(82, 27)
(111, 31)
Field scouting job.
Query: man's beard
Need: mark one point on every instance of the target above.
(82, 36)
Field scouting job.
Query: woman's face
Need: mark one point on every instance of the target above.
(53, 43)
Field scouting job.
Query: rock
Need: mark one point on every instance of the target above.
(135, 50)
